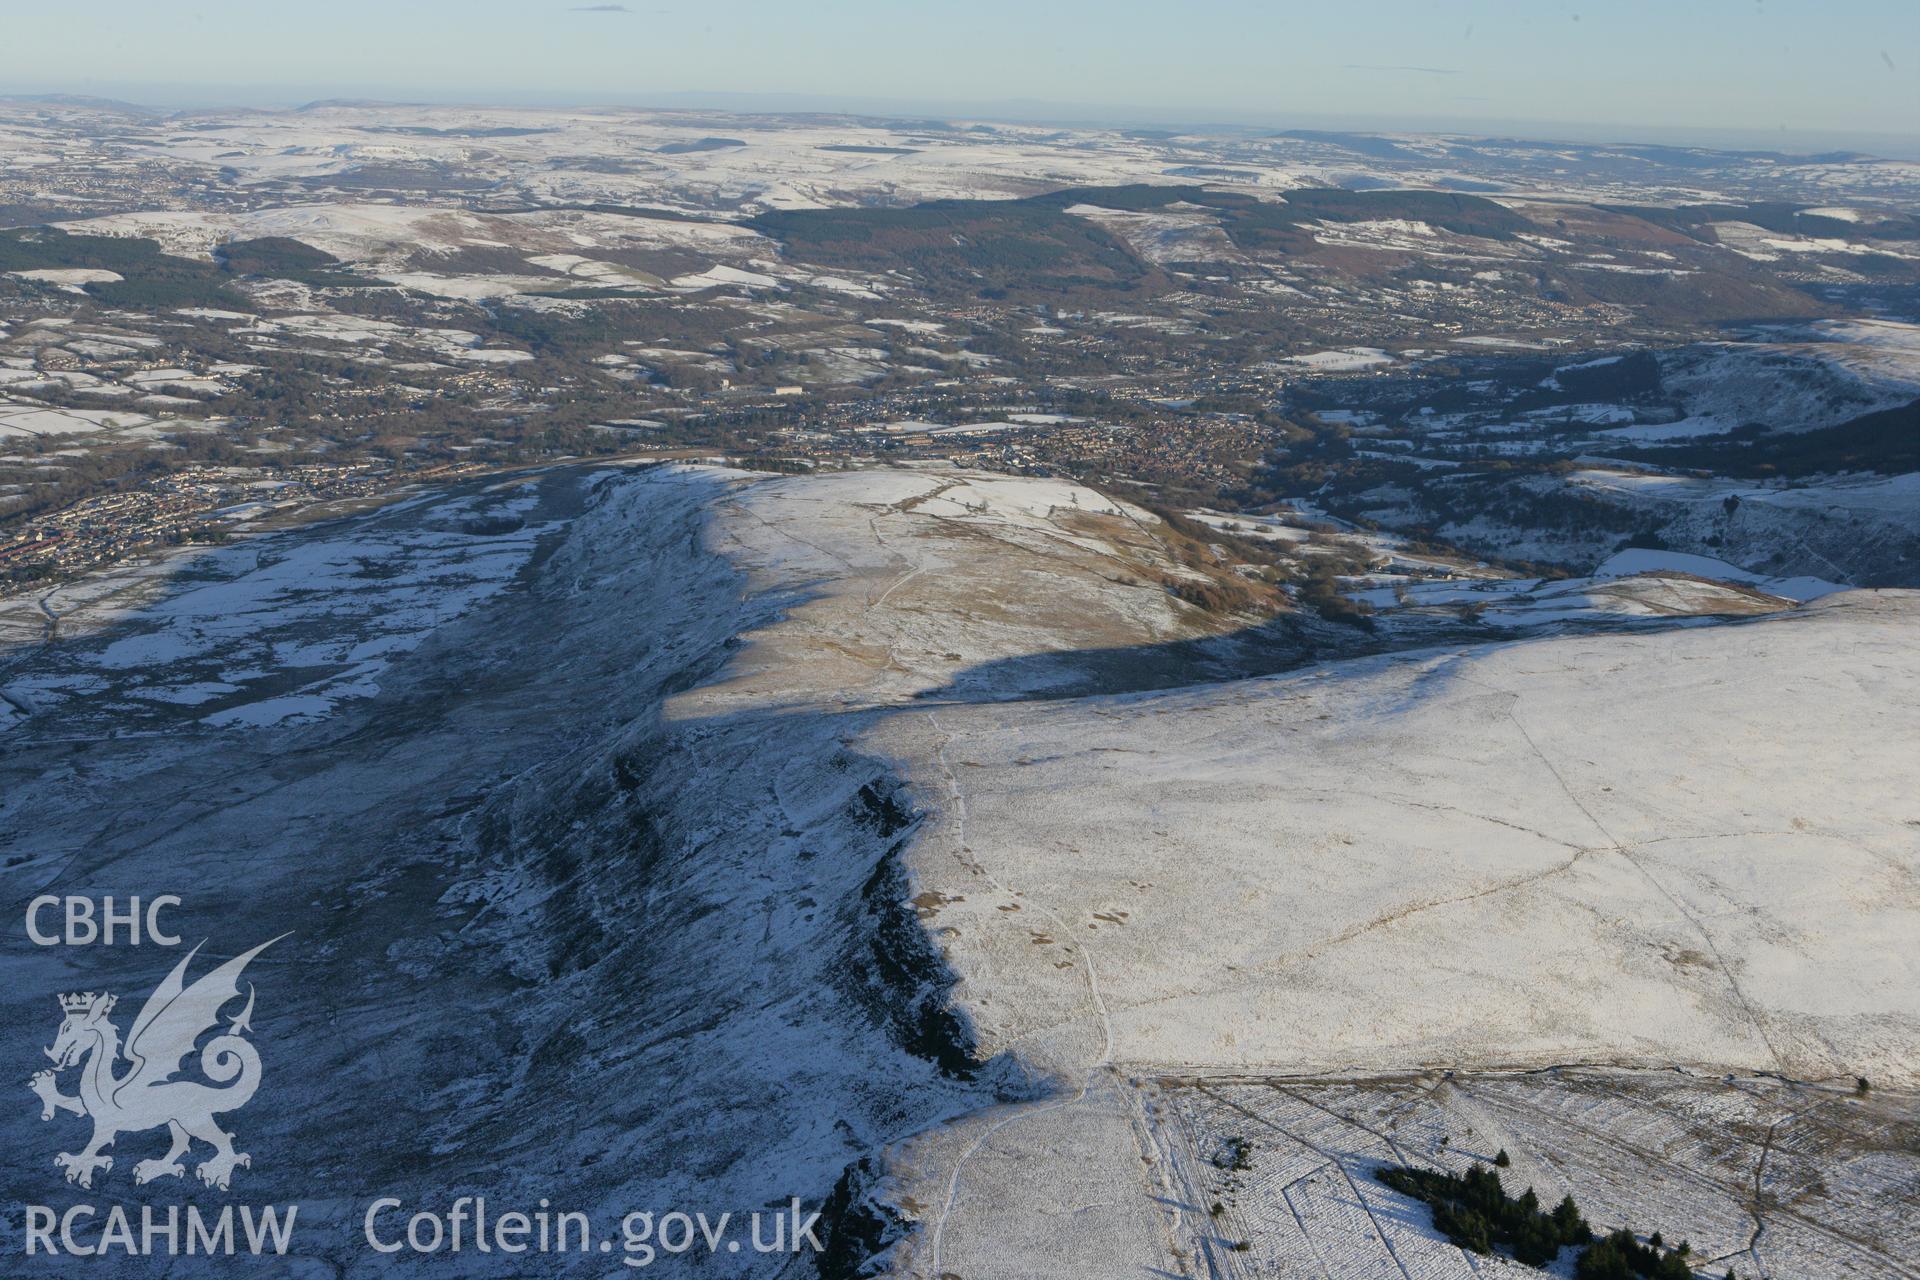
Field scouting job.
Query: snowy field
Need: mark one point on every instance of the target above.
(1598, 849)
(1761, 1178)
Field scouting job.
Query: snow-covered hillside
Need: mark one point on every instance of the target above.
(558, 782)
(1598, 849)
(683, 836)
(1812, 376)
(1856, 529)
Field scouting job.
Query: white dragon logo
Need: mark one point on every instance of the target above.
(146, 1095)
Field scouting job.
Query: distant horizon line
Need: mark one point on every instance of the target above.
(172, 99)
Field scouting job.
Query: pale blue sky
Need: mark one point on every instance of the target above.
(1627, 66)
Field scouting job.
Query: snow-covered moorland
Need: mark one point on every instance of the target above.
(727, 837)
(1605, 849)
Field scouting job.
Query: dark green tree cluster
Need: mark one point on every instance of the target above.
(1474, 1211)
(1621, 1256)
(990, 248)
(282, 258)
(150, 279)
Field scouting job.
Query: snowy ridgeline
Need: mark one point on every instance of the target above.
(542, 945)
(666, 836)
